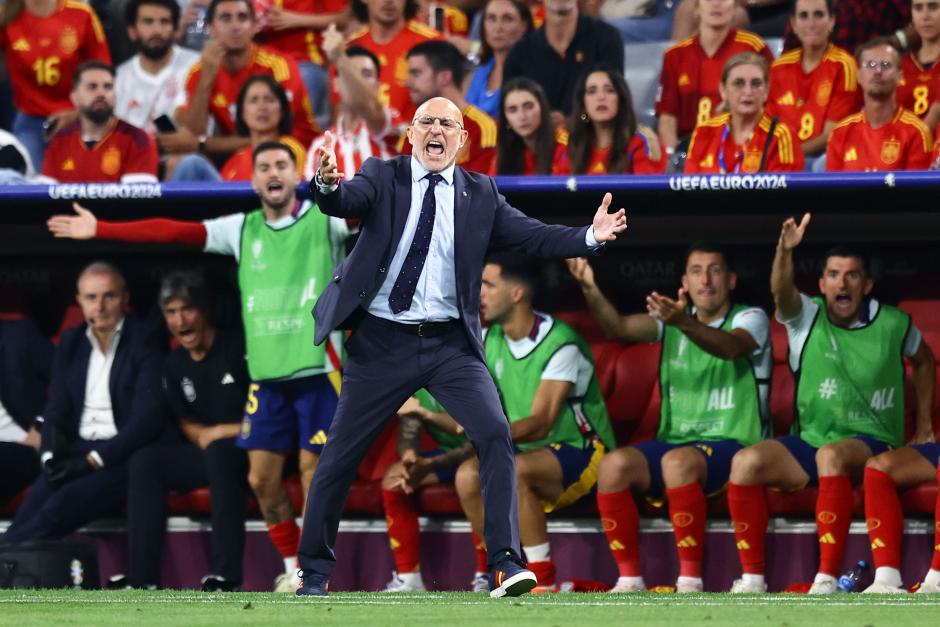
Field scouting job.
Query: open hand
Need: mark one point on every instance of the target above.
(666, 309)
(608, 225)
(81, 226)
(329, 171)
(582, 271)
(792, 234)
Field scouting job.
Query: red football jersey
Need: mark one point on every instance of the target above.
(240, 166)
(645, 155)
(301, 44)
(393, 59)
(479, 152)
(713, 151)
(560, 163)
(43, 52)
(688, 85)
(224, 96)
(807, 101)
(125, 150)
(904, 143)
(919, 88)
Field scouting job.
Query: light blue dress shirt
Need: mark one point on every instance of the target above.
(435, 297)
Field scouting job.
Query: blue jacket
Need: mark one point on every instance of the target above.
(25, 361)
(380, 197)
(135, 385)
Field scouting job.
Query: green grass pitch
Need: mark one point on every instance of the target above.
(452, 609)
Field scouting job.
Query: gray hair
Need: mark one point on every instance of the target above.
(186, 285)
(102, 267)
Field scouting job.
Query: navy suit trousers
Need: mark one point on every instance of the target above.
(385, 366)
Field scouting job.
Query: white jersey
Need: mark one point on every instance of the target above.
(142, 96)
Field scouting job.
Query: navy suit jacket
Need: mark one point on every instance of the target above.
(380, 197)
(25, 360)
(135, 386)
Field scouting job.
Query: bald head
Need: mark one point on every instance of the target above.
(436, 134)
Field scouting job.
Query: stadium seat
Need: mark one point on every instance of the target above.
(71, 317)
(584, 323)
(605, 364)
(924, 313)
(634, 379)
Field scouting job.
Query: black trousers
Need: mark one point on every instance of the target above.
(385, 365)
(51, 513)
(183, 466)
(19, 467)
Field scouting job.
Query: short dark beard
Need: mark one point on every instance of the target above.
(97, 116)
(156, 53)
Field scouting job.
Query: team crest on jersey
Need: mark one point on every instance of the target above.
(69, 165)
(219, 101)
(68, 40)
(21, 45)
(823, 92)
(498, 367)
(189, 389)
(751, 162)
(111, 161)
(684, 79)
(599, 168)
(707, 162)
(890, 151)
(850, 155)
(257, 248)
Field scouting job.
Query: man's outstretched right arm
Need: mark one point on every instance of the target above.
(631, 328)
(84, 225)
(351, 199)
(782, 283)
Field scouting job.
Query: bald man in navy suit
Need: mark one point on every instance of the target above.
(410, 293)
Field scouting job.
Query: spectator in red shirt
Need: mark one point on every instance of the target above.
(688, 84)
(816, 85)
(883, 135)
(919, 90)
(294, 28)
(744, 138)
(604, 137)
(363, 128)
(529, 143)
(436, 68)
(212, 87)
(389, 34)
(99, 147)
(43, 42)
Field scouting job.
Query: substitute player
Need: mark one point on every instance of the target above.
(845, 352)
(883, 135)
(744, 139)
(415, 469)
(286, 252)
(715, 372)
(558, 422)
(815, 86)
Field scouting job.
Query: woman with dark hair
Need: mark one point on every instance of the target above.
(263, 114)
(504, 23)
(528, 143)
(604, 137)
(814, 86)
(744, 138)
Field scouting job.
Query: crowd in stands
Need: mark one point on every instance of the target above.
(239, 90)
(854, 87)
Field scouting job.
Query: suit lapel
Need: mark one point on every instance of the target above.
(79, 375)
(402, 201)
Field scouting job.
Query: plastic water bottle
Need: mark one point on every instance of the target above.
(197, 33)
(857, 578)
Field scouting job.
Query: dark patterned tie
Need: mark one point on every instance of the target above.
(404, 289)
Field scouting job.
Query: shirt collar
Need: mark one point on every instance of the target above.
(94, 340)
(418, 171)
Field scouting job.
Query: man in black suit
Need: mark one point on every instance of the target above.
(410, 291)
(25, 360)
(104, 404)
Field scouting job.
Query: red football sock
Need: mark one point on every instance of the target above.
(833, 517)
(404, 534)
(285, 536)
(748, 506)
(621, 523)
(544, 572)
(884, 518)
(935, 563)
(479, 547)
(688, 510)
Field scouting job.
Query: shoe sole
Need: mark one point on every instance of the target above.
(302, 593)
(515, 586)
